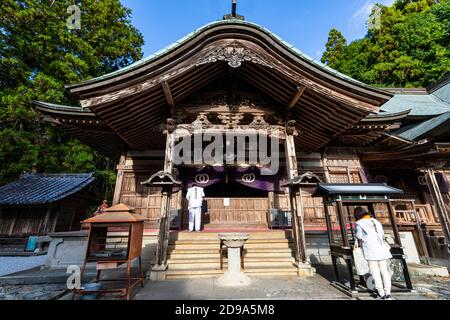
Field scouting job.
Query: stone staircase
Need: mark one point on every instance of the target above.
(196, 255)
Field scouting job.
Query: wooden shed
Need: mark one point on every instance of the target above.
(39, 203)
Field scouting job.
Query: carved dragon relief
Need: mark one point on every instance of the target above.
(235, 54)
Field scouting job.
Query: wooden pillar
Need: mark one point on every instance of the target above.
(13, 224)
(158, 271)
(296, 206)
(44, 227)
(119, 182)
(438, 203)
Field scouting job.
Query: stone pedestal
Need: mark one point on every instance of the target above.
(234, 276)
(157, 273)
(305, 269)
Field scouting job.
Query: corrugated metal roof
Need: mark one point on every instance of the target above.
(43, 188)
(418, 131)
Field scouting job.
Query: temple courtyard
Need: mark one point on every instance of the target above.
(36, 284)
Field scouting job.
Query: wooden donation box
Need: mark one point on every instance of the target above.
(115, 240)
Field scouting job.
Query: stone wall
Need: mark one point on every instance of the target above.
(69, 248)
(318, 248)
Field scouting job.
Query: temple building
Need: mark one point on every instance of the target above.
(231, 79)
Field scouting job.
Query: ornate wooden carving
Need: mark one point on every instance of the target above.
(291, 128)
(170, 125)
(231, 120)
(201, 122)
(235, 54)
(259, 123)
(231, 101)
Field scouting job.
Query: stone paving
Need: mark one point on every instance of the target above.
(433, 287)
(261, 288)
(32, 292)
(282, 288)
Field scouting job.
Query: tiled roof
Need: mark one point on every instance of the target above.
(191, 35)
(419, 131)
(42, 188)
(420, 105)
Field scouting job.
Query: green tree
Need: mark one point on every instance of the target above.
(38, 56)
(334, 47)
(411, 48)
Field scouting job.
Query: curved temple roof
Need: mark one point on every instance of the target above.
(136, 100)
(130, 104)
(232, 22)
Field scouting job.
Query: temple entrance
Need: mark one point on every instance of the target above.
(233, 204)
(233, 201)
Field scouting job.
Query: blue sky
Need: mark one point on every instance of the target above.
(303, 23)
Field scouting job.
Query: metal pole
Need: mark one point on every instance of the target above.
(233, 8)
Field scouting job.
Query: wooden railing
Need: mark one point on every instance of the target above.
(425, 214)
(407, 212)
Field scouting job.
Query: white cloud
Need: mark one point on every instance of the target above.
(318, 55)
(359, 18)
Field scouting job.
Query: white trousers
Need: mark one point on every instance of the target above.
(195, 218)
(380, 273)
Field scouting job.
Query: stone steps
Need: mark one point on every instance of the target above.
(215, 264)
(174, 236)
(248, 260)
(196, 255)
(216, 272)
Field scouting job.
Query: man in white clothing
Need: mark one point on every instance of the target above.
(195, 197)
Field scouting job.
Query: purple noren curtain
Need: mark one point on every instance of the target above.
(250, 177)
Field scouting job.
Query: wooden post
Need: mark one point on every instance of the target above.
(297, 213)
(420, 232)
(158, 271)
(13, 224)
(44, 227)
(438, 203)
(119, 182)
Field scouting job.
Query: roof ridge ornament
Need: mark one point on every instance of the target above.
(233, 15)
(234, 53)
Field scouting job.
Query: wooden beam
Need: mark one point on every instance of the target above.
(168, 94)
(439, 203)
(296, 97)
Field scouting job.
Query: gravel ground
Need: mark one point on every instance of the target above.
(9, 265)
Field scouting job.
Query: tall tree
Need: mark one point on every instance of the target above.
(409, 48)
(39, 54)
(334, 47)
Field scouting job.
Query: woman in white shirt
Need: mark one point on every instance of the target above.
(370, 233)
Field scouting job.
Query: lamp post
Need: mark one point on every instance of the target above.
(166, 182)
